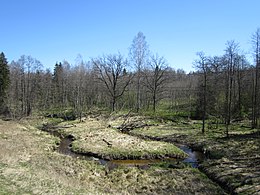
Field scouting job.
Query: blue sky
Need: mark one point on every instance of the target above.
(54, 30)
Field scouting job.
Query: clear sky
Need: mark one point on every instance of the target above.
(54, 30)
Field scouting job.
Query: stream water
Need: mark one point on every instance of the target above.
(193, 159)
(194, 156)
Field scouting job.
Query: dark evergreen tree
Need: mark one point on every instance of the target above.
(4, 82)
(58, 84)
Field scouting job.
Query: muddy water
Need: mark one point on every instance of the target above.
(193, 159)
(65, 147)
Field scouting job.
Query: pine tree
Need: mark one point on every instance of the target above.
(4, 81)
(58, 84)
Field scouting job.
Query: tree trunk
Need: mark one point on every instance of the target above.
(113, 104)
(138, 97)
(204, 102)
(154, 102)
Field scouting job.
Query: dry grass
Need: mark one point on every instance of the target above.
(97, 137)
(29, 165)
(234, 162)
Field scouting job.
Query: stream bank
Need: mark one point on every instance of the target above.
(194, 159)
(29, 165)
(231, 162)
(65, 147)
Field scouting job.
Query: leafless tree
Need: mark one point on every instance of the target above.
(155, 77)
(241, 65)
(202, 65)
(24, 81)
(113, 74)
(139, 51)
(80, 86)
(256, 91)
(29, 66)
(46, 86)
(230, 56)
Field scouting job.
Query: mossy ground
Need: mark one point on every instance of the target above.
(30, 165)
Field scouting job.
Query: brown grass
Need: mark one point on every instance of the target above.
(234, 162)
(97, 137)
(29, 165)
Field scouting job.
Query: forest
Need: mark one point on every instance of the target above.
(224, 88)
(214, 107)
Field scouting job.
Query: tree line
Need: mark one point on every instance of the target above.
(224, 88)
(228, 87)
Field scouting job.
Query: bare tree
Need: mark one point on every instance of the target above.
(256, 90)
(155, 77)
(112, 73)
(202, 66)
(79, 89)
(230, 56)
(241, 65)
(139, 51)
(29, 67)
(216, 88)
(46, 85)
(25, 76)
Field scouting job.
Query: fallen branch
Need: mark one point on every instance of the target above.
(133, 125)
(108, 144)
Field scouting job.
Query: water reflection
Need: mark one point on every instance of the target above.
(194, 156)
(193, 159)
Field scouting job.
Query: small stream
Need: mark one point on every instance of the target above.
(193, 159)
(65, 146)
(194, 156)
(66, 142)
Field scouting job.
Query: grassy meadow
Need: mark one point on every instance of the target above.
(30, 164)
